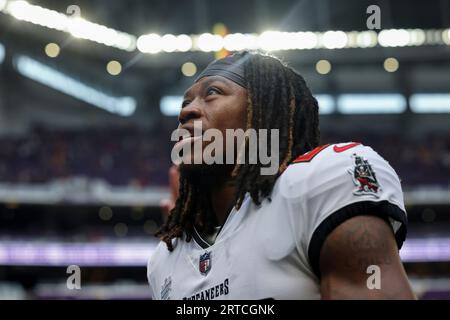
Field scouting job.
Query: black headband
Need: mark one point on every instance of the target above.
(230, 67)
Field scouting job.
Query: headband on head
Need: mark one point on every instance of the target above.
(230, 67)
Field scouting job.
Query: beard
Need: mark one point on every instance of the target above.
(206, 176)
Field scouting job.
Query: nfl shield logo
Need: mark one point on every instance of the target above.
(204, 264)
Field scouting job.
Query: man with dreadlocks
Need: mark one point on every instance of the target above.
(328, 224)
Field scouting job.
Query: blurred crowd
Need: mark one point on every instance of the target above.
(119, 156)
(137, 157)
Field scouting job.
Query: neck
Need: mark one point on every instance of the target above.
(221, 189)
(222, 195)
(222, 200)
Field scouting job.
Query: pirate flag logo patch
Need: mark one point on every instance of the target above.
(364, 177)
(204, 264)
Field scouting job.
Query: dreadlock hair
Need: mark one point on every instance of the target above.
(278, 98)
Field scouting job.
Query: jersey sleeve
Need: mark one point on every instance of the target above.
(149, 279)
(338, 182)
(152, 271)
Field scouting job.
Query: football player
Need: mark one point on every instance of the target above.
(328, 224)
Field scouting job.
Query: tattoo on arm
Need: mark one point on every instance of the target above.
(350, 249)
(367, 244)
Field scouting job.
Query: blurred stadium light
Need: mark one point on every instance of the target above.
(207, 42)
(37, 253)
(189, 69)
(353, 103)
(137, 252)
(2, 53)
(3, 4)
(117, 290)
(171, 105)
(150, 43)
(430, 103)
(35, 70)
(326, 103)
(77, 26)
(81, 190)
(371, 103)
(279, 41)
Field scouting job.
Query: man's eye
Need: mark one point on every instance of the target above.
(185, 103)
(212, 90)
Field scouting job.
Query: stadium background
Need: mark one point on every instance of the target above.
(87, 105)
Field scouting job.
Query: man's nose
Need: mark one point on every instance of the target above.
(189, 112)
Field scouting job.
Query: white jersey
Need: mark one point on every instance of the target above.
(272, 250)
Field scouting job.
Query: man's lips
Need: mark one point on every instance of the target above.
(186, 140)
(189, 132)
(189, 128)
